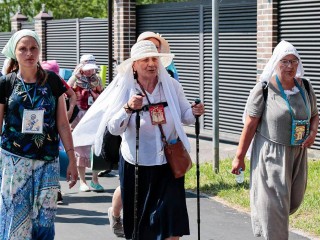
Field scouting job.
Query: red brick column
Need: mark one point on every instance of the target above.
(267, 24)
(40, 28)
(124, 28)
(16, 21)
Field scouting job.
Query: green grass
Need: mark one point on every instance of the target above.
(224, 186)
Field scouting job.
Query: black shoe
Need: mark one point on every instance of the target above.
(59, 198)
(104, 173)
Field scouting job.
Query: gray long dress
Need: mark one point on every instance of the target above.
(278, 170)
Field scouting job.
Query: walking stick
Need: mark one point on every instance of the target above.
(197, 131)
(136, 178)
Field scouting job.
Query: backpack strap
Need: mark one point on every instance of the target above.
(306, 85)
(265, 90)
(10, 83)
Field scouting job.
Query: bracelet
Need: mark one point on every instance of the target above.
(128, 107)
(71, 149)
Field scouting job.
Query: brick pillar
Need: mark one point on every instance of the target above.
(16, 21)
(124, 28)
(40, 28)
(267, 39)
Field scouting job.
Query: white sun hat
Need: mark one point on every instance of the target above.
(89, 62)
(144, 49)
(164, 45)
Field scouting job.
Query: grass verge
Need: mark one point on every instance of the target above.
(224, 186)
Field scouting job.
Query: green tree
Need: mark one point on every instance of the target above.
(60, 9)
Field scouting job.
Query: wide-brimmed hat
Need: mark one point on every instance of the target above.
(89, 62)
(164, 45)
(144, 49)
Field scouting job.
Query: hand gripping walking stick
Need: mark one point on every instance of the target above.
(197, 131)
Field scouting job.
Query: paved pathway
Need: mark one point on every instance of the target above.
(83, 216)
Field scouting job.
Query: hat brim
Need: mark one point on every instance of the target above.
(89, 67)
(165, 48)
(165, 58)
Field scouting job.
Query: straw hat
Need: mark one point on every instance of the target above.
(164, 45)
(144, 49)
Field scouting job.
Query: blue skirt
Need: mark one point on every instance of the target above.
(162, 210)
(28, 192)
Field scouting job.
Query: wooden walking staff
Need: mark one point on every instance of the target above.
(197, 131)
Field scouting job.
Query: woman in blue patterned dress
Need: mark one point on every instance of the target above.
(29, 156)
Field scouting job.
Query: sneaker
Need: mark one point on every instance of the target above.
(96, 187)
(115, 224)
(84, 188)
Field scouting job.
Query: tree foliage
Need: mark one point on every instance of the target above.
(143, 2)
(60, 9)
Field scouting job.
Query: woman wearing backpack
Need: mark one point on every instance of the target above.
(34, 113)
(282, 127)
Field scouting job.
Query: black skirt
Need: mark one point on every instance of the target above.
(162, 210)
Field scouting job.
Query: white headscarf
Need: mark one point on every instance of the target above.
(283, 49)
(90, 129)
(10, 47)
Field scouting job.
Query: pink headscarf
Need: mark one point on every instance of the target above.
(51, 65)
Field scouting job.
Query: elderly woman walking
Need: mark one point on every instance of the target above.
(282, 118)
(33, 108)
(161, 208)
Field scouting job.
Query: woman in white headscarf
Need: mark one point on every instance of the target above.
(162, 212)
(33, 108)
(283, 125)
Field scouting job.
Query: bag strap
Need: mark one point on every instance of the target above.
(163, 137)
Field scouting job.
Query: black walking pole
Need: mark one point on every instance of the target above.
(136, 178)
(197, 130)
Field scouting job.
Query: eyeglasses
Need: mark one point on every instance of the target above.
(286, 63)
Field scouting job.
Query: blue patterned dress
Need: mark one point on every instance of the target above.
(29, 175)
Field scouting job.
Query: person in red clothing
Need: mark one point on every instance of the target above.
(87, 85)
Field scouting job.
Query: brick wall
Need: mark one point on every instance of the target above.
(40, 28)
(267, 23)
(124, 28)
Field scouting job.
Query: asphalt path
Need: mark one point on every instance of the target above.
(83, 216)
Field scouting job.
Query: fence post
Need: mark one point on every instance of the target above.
(40, 28)
(16, 21)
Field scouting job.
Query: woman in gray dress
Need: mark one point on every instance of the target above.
(282, 120)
